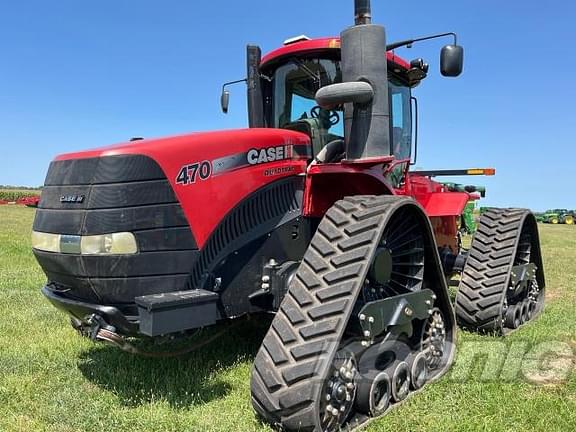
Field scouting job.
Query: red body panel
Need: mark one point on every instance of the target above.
(206, 202)
(322, 44)
(435, 199)
(327, 183)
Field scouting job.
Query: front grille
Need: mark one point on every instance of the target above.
(119, 193)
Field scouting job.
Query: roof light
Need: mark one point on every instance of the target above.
(295, 39)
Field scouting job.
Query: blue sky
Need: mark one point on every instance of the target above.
(77, 74)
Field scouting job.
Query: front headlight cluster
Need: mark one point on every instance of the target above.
(103, 244)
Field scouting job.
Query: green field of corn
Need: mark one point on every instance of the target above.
(53, 380)
(15, 194)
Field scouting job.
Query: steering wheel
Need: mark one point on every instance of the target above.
(330, 117)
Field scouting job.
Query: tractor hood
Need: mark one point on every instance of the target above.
(165, 197)
(206, 169)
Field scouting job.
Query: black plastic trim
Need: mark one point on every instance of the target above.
(81, 310)
(102, 170)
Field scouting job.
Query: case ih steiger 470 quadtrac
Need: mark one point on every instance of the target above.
(311, 213)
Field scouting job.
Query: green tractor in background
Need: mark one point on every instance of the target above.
(558, 216)
(551, 217)
(566, 217)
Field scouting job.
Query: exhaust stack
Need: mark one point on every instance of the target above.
(362, 12)
(364, 88)
(367, 126)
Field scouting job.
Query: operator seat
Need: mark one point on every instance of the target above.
(331, 152)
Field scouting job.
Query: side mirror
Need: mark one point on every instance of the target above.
(224, 101)
(358, 92)
(451, 60)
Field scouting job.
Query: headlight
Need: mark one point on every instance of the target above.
(46, 241)
(104, 244)
(116, 243)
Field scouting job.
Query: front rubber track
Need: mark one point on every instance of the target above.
(297, 352)
(486, 275)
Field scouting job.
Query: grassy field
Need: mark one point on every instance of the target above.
(53, 380)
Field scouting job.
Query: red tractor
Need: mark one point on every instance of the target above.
(312, 214)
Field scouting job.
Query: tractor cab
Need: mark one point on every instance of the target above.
(290, 78)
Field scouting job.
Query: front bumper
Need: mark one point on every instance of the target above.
(156, 315)
(124, 324)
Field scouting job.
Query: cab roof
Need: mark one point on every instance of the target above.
(322, 44)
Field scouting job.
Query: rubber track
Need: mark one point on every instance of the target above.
(486, 274)
(297, 352)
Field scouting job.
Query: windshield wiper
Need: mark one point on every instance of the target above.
(306, 69)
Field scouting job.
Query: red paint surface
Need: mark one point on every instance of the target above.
(434, 197)
(322, 44)
(205, 203)
(327, 183)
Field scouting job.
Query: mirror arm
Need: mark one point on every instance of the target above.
(408, 42)
(233, 82)
(224, 96)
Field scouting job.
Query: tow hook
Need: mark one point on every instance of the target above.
(95, 324)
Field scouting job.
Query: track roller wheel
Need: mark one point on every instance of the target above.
(418, 371)
(503, 280)
(374, 393)
(513, 317)
(400, 380)
(341, 345)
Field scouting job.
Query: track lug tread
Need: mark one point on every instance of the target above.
(327, 309)
(485, 276)
(292, 311)
(309, 349)
(318, 329)
(299, 372)
(336, 291)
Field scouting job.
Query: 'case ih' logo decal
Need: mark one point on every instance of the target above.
(269, 154)
(72, 199)
(191, 173)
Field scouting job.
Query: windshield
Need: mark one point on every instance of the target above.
(290, 91)
(294, 85)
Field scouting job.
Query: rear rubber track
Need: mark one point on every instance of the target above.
(297, 352)
(486, 275)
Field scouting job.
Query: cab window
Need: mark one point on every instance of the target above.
(401, 120)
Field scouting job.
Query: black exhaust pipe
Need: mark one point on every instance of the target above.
(367, 126)
(362, 12)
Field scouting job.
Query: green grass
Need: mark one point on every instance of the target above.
(53, 380)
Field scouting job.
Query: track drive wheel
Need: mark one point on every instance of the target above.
(502, 284)
(324, 365)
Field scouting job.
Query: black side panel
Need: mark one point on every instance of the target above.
(255, 216)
